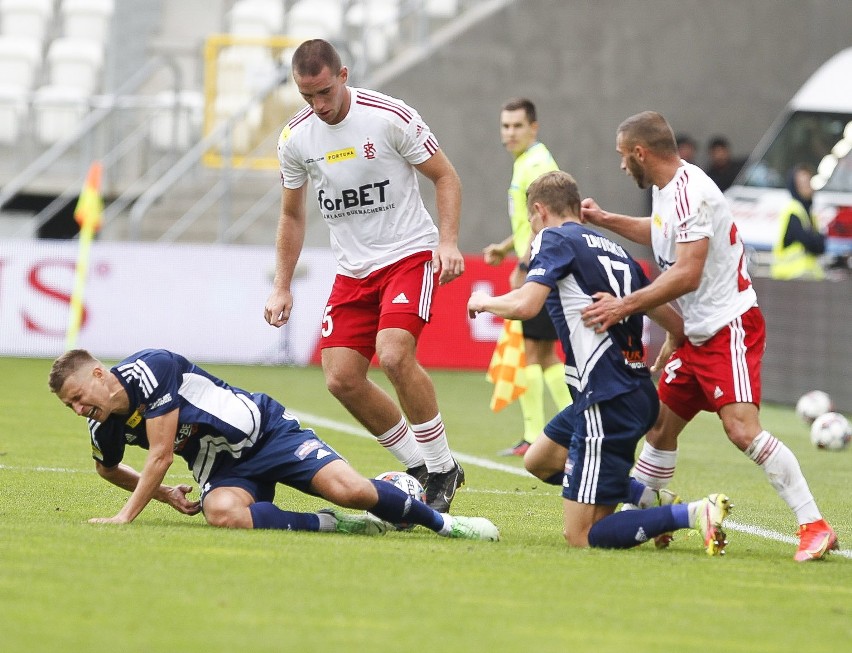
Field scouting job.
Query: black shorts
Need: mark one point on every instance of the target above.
(539, 327)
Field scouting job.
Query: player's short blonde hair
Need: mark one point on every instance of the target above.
(558, 191)
(67, 365)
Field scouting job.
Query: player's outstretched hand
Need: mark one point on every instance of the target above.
(493, 254)
(603, 312)
(476, 303)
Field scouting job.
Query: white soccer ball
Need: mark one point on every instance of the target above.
(831, 431)
(408, 484)
(813, 404)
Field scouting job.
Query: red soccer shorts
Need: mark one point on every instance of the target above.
(397, 296)
(723, 370)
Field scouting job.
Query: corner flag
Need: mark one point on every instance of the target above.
(87, 213)
(506, 370)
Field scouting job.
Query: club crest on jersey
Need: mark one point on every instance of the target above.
(340, 155)
(306, 448)
(369, 150)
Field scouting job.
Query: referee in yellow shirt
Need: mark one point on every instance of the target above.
(519, 133)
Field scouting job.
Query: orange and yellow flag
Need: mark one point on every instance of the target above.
(87, 213)
(506, 370)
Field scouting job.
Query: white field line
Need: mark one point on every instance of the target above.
(342, 427)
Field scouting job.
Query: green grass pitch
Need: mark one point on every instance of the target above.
(170, 583)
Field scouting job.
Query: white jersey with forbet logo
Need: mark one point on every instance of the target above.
(688, 208)
(366, 185)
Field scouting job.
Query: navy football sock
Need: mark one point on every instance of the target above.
(397, 506)
(629, 528)
(267, 515)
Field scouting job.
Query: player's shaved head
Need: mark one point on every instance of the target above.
(313, 55)
(651, 130)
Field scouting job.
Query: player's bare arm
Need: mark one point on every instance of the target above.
(161, 433)
(288, 247)
(681, 278)
(520, 304)
(448, 260)
(126, 477)
(496, 252)
(636, 229)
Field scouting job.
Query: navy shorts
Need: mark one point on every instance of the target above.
(601, 443)
(289, 455)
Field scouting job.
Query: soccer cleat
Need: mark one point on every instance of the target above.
(665, 498)
(441, 487)
(710, 513)
(419, 472)
(517, 450)
(816, 539)
(473, 528)
(365, 524)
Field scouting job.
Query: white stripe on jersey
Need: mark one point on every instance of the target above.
(739, 365)
(592, 459)
(236, 410)
(139, 369)
(580, 378)
(426, 291)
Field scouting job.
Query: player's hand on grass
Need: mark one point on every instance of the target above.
(109, 520)
(178, 500)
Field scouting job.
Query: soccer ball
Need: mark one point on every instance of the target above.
(407, 484)
(831, 431)
(813, 404)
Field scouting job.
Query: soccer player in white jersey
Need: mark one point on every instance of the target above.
(239, 445)
(362, 150)
(696, 244)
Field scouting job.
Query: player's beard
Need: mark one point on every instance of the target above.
(637, 171)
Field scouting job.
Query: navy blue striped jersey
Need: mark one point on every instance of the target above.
(216, 421)
(577, 262)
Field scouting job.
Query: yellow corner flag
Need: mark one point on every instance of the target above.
(88, 214)
(506, 370)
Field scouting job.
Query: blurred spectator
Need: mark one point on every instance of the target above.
(722, 168)
(799, 244)
(687, 148)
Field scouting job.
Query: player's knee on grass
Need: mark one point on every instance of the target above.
(227, 508)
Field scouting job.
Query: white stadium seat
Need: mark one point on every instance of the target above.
(58, 111)
(13, 112)
(20, 59)
(256, 18)
(311, 19)
(28, 18)
(189, 111)
(75, 62)
(87, 19)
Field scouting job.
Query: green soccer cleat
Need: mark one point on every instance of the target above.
(473, 528)
(365, 524)
(709, 514)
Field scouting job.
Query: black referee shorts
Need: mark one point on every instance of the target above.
(539, 327)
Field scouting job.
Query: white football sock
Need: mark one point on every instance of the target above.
(784, 474)
(401, 443)
(655, 467)
(432, 440)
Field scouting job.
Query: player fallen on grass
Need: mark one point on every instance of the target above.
(717, 368)
(237, 444)
(592, 442)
